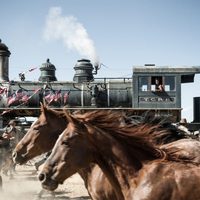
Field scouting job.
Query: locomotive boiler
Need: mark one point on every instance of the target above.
(138, 93)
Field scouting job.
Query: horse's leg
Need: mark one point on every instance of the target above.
(12, 166)
(4, 169)
(1, 182)
(12, 169)
(52, 193)
(7, 167)
(11, 174)
(42, 191)
(39, 195)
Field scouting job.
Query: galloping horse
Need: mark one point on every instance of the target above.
(12, 137)
(136, 168)
(5, 155)
(41, 138)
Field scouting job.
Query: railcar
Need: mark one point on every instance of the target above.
(138, 93)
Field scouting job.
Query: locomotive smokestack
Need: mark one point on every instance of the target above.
(4, 62)
(83, 70)
(47, 72)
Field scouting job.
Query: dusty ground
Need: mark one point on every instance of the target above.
(25, 186)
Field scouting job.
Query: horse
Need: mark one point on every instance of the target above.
(134, 165)
(5, 155)
(41, 138)
(11, 137)
(43, 134)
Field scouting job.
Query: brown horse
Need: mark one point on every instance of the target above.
(135, 167)
(41, 138)
(5, 155)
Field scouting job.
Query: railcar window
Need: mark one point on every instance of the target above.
(143, 83)
(169, 83)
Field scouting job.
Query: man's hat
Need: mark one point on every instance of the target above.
(183, 121)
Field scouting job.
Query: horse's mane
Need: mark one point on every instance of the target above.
(145, 133)
(158, 129)
(45, 110)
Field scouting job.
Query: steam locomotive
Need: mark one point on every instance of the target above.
(138, 93)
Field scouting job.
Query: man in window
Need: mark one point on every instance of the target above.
(158, 85)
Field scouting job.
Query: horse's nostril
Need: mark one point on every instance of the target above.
(42, 177)
(14, 154)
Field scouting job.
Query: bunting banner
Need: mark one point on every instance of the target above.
(22, 74)
(53, 98)
(32, 69)
(20, 97)
(29, 70)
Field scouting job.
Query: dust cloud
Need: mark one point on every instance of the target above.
(25, 185)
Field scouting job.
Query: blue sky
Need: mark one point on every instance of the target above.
(121, 34)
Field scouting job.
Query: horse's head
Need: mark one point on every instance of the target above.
(72, 151)
(41, 136)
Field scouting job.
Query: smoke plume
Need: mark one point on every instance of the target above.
(71, 32)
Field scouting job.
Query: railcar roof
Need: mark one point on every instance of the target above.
(167, 69)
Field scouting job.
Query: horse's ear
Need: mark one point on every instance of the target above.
(69, 116)
(43, 107)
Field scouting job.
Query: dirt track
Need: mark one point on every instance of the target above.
(25, 186)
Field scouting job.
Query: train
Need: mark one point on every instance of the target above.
(138, 93)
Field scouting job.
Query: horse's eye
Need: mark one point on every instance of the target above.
(36, 128)
(65, 143)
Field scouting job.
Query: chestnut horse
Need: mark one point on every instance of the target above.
(5, 155)
(41, 138)
(136, 168)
